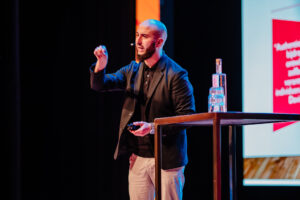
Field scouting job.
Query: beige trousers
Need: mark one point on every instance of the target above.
(142, 179)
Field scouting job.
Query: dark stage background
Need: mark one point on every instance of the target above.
(59, 135)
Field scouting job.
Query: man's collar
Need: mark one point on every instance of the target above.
(158, 63)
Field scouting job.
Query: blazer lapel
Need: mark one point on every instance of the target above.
(138, 82)
(157, 76)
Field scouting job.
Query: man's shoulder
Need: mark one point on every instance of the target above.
(132, 66)
(173, 66)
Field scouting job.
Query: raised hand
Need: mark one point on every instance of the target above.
(102, 57)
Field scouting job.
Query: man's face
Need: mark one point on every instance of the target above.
(145, 42)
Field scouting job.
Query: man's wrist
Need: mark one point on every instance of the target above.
(97, 70)
(152, 131)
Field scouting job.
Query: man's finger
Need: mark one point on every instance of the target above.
(104, 49)
(139, 123)
(101, 49)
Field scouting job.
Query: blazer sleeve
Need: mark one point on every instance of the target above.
(182, 94)
(101, 81)
(183, 100)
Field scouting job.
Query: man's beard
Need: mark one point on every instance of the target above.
(149, 52)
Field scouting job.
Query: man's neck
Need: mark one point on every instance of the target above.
(150, 62)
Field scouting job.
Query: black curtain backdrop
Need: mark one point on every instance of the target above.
(60, 135)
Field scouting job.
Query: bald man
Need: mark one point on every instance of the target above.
(156, 86)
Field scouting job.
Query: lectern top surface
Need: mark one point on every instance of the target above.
(227, 118)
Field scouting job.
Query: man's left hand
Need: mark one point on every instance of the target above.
(144, 129)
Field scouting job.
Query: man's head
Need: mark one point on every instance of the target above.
(150, 38)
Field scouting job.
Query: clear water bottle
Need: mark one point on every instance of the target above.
(216, 100)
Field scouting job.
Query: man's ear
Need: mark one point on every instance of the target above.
(159, 42)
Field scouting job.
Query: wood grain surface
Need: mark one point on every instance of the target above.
(272, 168)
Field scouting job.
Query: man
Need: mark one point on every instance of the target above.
(154, 87)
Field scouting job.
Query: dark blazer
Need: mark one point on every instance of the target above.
(170, 94)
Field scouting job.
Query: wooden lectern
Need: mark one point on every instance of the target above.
(216, 119)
